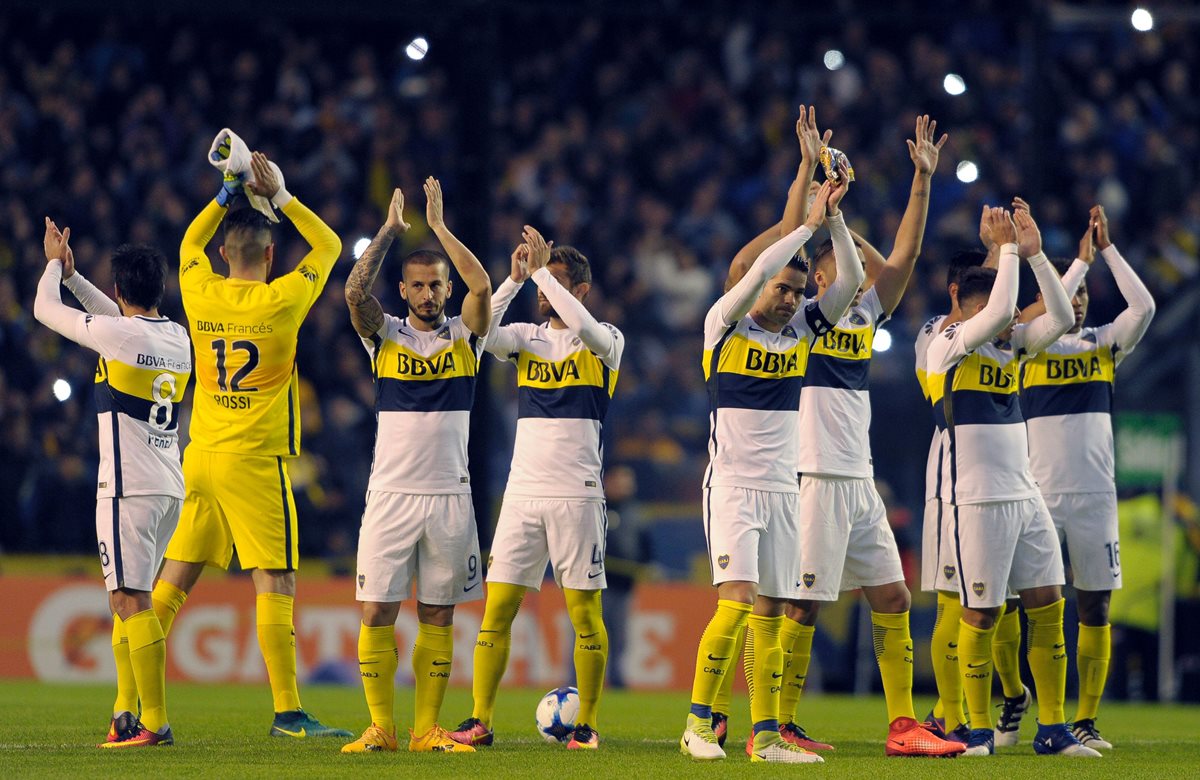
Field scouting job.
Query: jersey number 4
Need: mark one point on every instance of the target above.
(235, 384)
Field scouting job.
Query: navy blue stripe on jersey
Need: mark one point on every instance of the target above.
(287, 515)
(973, 407)
(579, 402)
(714, 401)
(738, 391)
(110, 400)
(816, 319)
(116, 535)
(454, 394)
(837, 373)
(1078, 398)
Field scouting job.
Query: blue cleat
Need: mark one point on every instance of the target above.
(298, 724)
(981, 742)
(720, 727)
(1057, 740)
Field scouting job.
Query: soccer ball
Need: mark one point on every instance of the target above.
(556, 714)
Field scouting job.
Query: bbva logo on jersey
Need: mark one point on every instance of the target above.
(770, 362)
(412, 365)
(543, 371)
(1001, 377)
(1073, 367)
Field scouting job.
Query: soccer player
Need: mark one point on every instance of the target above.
(145, 363)
(755, 341)
(1003, 534)
(1066, 396)
(553, 509)
(845, 540)
(246, 421)
(419, 524)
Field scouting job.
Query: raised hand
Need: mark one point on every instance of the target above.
(538, 254)
(985, 236)
(810, 138)
(57, 248)
(395, 217)
(816, 212)
(840, 188)
(923, 151)
(1019, 204)
(265, 183)
(1100, 221)
(1087, 244)
(520, 263)
(1029, 238)
(999, 226)
(433, 204)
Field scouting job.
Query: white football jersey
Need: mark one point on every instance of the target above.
(563, 393)
(424, 389)
(835, 407)
(932, 461)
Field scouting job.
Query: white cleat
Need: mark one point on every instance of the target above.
(1086, 732)
(772, 748)
(699, 741)
(1008, 725)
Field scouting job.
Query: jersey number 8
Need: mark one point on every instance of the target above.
(163, 392)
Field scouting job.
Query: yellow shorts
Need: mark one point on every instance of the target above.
(235, 500)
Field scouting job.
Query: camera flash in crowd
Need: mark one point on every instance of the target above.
(417, 48)
(61, 390)
(954, 84)
(967, 171)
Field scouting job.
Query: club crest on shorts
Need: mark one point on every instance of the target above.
(809, 578)
(723, 560)
(362, 580)
(978, 588)
(948, 571)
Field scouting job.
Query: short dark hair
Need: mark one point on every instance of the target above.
(424, 257)
(140, 274)
(962, 260)
(798, 263)
(823, 250)
(975, 282)
(245, 220)
(579, 270)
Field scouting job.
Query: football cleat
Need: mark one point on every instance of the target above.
(298, 724)
(1008, 725)
(142, 737)
(373, 740)
(1057, 740)
(936, 725)
(472, 732)
(699, 741)
(768, 746)
(436, 740)
(981, 742)
(795, 734)
(1086, 732)
(584, 738)
(720, 727)
(122, 726)
(907, 737)
(961, 734)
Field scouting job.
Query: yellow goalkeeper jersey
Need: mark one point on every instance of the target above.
(244, 336)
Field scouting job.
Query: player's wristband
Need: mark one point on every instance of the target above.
(281, 197)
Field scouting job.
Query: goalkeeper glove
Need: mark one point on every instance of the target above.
(231, 187)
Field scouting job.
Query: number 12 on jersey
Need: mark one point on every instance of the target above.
(234, 384)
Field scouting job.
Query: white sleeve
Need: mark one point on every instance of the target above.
(97, 332)
(1130, 325)
(601, 340)
(501, 340)
(736, 303)
(89, 295)
(850, 276)
(1074, 277)
(1043, 331)
(984, 326)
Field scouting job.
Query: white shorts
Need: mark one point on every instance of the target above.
(132, 533)
(845, 539)
(754, 536)
(938, 568)
(1002, 545)
(427, 538)
(1087, 522)
(570, 533)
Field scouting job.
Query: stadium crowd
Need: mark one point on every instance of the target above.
(656, 147)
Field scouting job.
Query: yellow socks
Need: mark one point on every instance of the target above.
(148, 658)
(277, 641)
(763, 665)
(377, 663)
(943, 650)
(591, 650)
(796, 641)
(492, 645)
(1095, 648)
(432, 654)
(1047, 655)
(723, 702)
(894, 654)
(1006, 646)
(167, 600)
(714, 654)
(127, 692)
(975, 666)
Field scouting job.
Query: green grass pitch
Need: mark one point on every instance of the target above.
(221, 730)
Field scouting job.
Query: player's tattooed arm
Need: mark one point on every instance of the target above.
(746, 255)
(476, 306)
(366, 313)
(924, 152)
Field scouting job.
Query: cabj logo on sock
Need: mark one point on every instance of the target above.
(978, 587)
(723, 560)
